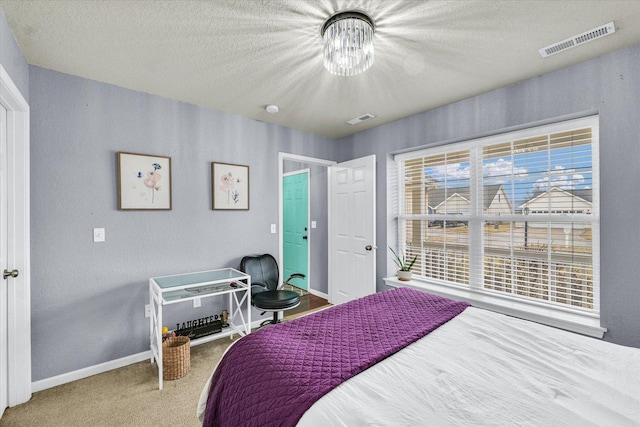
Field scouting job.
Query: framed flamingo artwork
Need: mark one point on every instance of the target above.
(230, 186)
(144, 182)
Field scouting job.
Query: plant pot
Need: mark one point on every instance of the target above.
(405, 276)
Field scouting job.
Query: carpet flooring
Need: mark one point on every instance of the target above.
(129, 396)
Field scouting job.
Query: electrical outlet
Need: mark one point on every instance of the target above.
(197, 303)
(147, 310)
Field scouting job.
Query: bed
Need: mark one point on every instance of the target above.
(467, 366)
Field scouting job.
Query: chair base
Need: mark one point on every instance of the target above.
(275, 301)
(276, 319)
(272, 321)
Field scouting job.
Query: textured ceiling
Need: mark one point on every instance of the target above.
(238, 56)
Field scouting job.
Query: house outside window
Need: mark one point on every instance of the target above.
(513, 216)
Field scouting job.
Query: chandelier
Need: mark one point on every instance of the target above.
(348, 43)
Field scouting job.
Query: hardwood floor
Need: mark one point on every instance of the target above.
(308, 302)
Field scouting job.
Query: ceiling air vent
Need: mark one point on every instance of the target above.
(360, 119)
(596, 33)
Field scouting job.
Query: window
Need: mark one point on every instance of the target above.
(513, 216)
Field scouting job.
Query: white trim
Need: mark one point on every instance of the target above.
(573, 321)
(582, 322)
(19, 289)
(282, 156)
(297, 172)
(527, 132)
(89, 371)
(319, 294)
(100, 368)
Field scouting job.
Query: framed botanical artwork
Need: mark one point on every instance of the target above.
(230, 186)
(144, 182)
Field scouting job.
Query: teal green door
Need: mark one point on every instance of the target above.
(295, 227)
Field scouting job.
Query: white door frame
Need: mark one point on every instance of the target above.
(19, 288)
(302, 159)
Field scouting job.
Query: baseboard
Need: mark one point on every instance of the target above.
(319, 294)
(100, 368)
(89, 371)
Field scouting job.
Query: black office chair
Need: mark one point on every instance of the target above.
(266, 295)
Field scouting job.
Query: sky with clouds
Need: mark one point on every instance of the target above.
(525, 173)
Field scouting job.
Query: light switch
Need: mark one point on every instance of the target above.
(313, 224)
(98, 235)
(273, 229)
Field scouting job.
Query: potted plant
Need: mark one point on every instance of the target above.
(404, 267)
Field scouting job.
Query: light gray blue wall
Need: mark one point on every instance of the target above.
(12, 59)
(609, 86)
(88, 298)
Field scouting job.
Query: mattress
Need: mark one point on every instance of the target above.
(487, 369)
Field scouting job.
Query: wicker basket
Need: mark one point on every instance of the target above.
(176, 357)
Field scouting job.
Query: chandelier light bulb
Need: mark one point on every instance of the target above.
(348, 43)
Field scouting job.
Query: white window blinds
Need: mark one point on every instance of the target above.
(514, 215)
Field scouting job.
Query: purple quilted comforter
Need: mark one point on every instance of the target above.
(272, 376)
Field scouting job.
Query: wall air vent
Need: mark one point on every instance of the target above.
(596, 33)
(360, 119)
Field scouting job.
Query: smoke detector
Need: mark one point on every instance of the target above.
(596, 33)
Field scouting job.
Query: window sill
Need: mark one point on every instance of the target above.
(582, 323)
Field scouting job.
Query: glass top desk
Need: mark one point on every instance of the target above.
(168, 290)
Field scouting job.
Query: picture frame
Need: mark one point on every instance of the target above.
(144, 181)
(229, 186)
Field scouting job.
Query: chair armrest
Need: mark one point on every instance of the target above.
(259, 287)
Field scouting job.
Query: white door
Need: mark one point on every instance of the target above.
(352, 258)
(4, 384)
(15, 308)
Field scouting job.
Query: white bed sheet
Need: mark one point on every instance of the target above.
(487, 369)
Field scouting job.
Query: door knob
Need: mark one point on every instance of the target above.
(368, 247)
(14, 273)
(304, 237)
